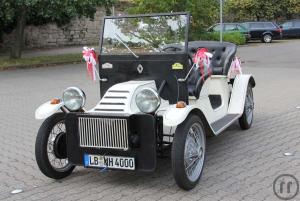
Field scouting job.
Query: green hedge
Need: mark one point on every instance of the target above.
(234, 37)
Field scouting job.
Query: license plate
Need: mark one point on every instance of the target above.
(114, 162)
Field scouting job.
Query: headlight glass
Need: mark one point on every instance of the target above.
(147, 100)
(74, 98)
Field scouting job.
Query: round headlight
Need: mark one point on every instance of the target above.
(74, 98)
(147, 100)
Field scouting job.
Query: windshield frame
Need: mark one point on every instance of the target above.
(149, 15)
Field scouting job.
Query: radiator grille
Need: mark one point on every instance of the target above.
(103, 133)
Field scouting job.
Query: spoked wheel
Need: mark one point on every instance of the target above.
(246, 119)
(50, 148)
(188, 152)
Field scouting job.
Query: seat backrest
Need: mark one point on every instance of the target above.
(223, 54)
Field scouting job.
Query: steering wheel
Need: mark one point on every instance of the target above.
(177, 48)
(172, 48)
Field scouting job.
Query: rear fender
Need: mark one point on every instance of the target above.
(238, 93)
(47, 109)
(267, 32)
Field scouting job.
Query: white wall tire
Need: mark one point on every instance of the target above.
(188, 152)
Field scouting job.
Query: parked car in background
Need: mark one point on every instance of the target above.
(291, 29)
(230, 27)
(265, 31)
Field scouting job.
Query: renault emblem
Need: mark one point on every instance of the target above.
(140, 68)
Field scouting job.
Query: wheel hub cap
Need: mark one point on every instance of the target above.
(194, 152)
(267, 39)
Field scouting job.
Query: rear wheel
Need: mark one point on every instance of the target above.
(50, 148)
(267, 38)
(246, 119)
(188, 152)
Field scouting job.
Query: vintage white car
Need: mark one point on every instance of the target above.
(154, 95)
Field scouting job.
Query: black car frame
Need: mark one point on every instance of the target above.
(264, 31)
(149, 102)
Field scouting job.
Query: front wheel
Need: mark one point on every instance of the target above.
(188, 152)
(50, 148)
(246, 119)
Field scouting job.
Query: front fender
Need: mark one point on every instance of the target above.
(175, 116)
(47, 109)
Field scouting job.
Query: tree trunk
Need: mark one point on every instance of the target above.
(16, 48)
(257, 18)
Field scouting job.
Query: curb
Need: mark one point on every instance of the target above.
(37, 65)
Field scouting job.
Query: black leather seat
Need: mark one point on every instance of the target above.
(195, 82)
(223, 54)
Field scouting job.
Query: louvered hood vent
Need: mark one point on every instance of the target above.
(120, 98)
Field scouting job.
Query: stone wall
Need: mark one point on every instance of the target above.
(80, 31)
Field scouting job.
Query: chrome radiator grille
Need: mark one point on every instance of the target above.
(103, 133)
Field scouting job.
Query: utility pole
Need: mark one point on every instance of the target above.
(113, 10)
(221, 21)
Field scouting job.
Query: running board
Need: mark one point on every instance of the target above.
(223, 123)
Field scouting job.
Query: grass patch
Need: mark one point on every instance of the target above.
(6, 63)
(233, 37)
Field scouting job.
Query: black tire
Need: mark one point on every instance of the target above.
(41, 152)
(245, 121)
(178, 151)
(267, 38)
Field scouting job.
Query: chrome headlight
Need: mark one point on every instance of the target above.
(74, 98)
(147, 100)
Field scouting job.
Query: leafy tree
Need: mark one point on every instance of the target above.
(240, 10)
(15, 14)
(155, 31)
(204, 12)
(288, 9)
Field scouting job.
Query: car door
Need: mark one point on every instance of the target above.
(257, 29)
(230, 28)
(296, 28)
(242, 29)
(287, 29)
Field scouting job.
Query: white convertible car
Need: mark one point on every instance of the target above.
(153, 96)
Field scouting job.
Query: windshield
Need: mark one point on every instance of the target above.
(144, 34)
